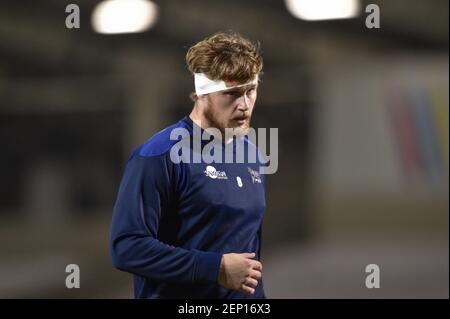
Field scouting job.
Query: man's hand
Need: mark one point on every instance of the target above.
(240, 272)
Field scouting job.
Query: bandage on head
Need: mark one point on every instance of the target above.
(203, 85)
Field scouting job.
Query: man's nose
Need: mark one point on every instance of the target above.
(243, 103)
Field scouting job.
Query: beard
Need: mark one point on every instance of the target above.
(242, 129)
(214, 121)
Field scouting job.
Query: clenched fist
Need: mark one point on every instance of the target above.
(240, 272)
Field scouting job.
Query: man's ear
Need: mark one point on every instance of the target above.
(203, 98)
(193, 96)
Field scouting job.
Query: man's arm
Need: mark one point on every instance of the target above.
(134, 246)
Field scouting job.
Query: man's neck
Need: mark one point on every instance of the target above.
(198, 118)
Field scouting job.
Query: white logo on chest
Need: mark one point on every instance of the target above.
(215, 174)
(256, 177)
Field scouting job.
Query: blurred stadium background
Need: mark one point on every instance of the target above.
(363, 152)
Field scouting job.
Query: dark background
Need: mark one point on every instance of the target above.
(362, 116)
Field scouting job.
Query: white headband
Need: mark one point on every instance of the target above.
(203, 85)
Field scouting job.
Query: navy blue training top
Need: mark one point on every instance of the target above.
(172, 222)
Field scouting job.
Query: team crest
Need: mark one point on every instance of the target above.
(256, 177)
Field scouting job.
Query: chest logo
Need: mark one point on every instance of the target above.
(239, 181)
(215, 174)
(256, 177)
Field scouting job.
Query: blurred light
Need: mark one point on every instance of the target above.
(124, 16)
(323, 9)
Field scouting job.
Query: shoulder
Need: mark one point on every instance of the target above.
(160, 143)
(152, 158)
(248, 142)
(252, 147)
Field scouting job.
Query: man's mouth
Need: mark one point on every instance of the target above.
(240, 119)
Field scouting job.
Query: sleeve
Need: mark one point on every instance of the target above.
(134, 247)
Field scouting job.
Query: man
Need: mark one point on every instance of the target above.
(193, 229)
